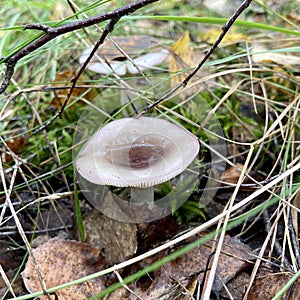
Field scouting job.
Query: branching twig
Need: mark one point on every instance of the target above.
(51, 33)
(109, 28)
(225, 29)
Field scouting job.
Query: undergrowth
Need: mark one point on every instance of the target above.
(256, 103)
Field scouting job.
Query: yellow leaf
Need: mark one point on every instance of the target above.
(181, 59)
(230, 38)
(182, 44)
(182, 53)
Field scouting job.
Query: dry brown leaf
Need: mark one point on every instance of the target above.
(233, 260)
(294, 17)
(10, 258)
(231, 177)
(14, 279)
(63, 80)
(183, 50)
(266, 286)
(152, 234)
(177, 279)
(61, 261)
(237, 286)
(15, 145)
(178, 276)
(181, 58)
(117, 239)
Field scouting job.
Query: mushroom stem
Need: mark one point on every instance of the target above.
(142, 195)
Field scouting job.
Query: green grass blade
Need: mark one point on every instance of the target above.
(79, 221)
(218, 21)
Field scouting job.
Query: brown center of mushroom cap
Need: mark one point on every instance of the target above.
(142, 153)
(132, 45)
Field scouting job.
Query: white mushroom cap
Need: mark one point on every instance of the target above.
(136, 153)
(121, 68)
(110, 60)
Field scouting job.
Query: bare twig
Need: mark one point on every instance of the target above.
(109, 28)
(51, 33)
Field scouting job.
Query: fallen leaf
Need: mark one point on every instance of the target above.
(63, 80)
(294, 17)
(183, 50)
(182, 57)
(61, 261)
(267, 285)
(236, 287)
(179, 277)
(15, 281)
(234, 259)
(151, 234)
(232, 175)
(117, 239)
(10, 257)
(232, 37)
(15, 145)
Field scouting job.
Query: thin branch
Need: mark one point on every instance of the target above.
(225, 29)
(109, 28)
(51, 33)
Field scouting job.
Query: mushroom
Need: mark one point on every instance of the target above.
(137, 153)
(125, 56)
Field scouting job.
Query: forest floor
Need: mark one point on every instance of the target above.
(225, 228)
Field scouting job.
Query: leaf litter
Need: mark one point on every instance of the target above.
(62, 261)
